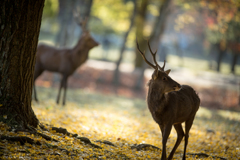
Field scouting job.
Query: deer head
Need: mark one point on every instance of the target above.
(160, 78)
(86, 37)
(89, 41)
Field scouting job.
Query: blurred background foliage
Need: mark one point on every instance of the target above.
(198, 29)
(200, 36)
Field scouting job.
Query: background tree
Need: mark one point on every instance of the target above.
(20, 25)
(220, 27)
(140, 24)
(66, 20)
(122, 48)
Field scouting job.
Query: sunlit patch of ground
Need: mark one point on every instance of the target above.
(124, 122)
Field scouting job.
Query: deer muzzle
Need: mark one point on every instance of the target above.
(177, 87)
(96, 44)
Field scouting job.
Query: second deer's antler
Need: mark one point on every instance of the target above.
(82, 22)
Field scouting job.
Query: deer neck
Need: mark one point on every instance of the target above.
(156, 99)
(80, 53)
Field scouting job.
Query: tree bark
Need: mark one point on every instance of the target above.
(212, 56)
(65, 19)
(20, 22)
(140, 21)
(234, 62)
(116, 73)
(85, 7)
(160, 23)
(220, 55)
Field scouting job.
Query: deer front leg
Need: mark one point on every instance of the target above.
(34, 91)
(37, 72)
(166, 129)
(65, 90)
(59, 92)
(180, 135)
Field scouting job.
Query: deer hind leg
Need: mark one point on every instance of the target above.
(188, 125)
(180, 135)
(166, 129)
(34, 91)
(37, 73)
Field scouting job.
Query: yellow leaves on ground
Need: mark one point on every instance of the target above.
(215, 133)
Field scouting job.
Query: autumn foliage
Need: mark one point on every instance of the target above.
(116, 128)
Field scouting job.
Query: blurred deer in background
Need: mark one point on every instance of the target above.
(170, 104)
(65, 60)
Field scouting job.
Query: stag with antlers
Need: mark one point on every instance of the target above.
(64, 60)
(170, 104)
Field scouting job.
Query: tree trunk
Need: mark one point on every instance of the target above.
(85, 7)
(220, 55)
(159, 26)
(116, 73)
(239, 94)
(140, 21)
(20, 22)
(212, 56)
(65, 18)
(234, 62)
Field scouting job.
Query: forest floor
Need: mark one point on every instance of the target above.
(103, 121)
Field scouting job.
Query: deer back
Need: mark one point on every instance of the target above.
(174, 106)
(51, 58)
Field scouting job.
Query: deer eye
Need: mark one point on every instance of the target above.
(164, 78)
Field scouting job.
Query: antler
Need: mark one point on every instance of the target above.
(80, 21)
(145, 59)
(154, 58)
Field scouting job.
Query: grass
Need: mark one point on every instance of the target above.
(109, 117)
(122, 121)
(219, 120)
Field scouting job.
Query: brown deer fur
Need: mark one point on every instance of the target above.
(170, 105)
(64, 61)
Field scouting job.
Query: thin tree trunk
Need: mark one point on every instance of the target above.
(234, 62)
(239, 93)
(20, 25)
(140, 21)
(219, 57)
(212, 57)
(160, 24)
(116, 73)
(139, 84)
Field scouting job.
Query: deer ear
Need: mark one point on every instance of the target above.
(154, 77)
(167, 71)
